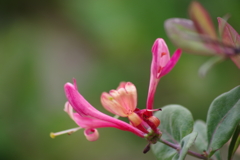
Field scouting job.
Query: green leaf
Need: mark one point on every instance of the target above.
(217, 155)
(163, 152)
(184, 35)
(176, 123)
(186, 143)
(235, 142)
(201, 142)
(223, 117)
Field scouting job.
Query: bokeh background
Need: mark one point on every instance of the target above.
(45, 43)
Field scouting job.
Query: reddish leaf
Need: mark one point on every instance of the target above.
(184, 35)
(202, 20)
(230, 37)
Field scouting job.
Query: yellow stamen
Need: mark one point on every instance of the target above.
(110, 98)
(69, 131)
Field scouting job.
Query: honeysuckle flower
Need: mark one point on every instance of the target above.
(90, 118)
(197, 35)
(161, 65)
(122, 102)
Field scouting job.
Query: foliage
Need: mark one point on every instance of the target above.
(179, 132)
(197, 35)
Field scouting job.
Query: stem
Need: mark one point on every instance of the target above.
(174, 146)
(177, 147)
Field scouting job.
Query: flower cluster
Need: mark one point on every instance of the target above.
(122, 102)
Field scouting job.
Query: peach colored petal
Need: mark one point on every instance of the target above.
(111, 105)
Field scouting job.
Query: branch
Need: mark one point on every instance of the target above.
(177, 147)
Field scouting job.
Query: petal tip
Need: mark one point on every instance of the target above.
(68, 85)
(158, 42)
(91, 134)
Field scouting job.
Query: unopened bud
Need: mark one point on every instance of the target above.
(147, 148)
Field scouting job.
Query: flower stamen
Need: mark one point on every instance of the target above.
(69, 132)
(154, 110)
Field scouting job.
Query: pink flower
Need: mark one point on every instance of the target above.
(122, 102)
(161, 65)
(90, 118)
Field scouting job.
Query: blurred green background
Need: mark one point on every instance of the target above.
(44, 44)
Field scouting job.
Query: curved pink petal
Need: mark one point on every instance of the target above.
(68, 109)
(77, 101)
(87, 122)
(171, 63)
(84, 109)
(91, 134)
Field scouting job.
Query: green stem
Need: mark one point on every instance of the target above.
(177, 147)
